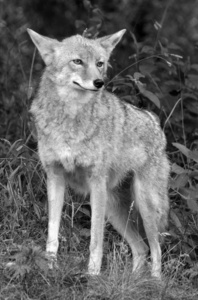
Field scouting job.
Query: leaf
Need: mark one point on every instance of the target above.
(187, 96)
(152, 97)
(138, 75)
(188, 153)
(173, 46)
(191, 192)
(85, 211)
(176, 221)
(148, 50)
(192, 108)
(130, 77)
(194, 155)
(182, 148)
(190, 195)
(114, 89)
(192, 204)
(148, 94)
(180, 181)
(177, 169)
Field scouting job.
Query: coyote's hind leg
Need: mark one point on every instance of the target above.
(150, 205)
(118, 214)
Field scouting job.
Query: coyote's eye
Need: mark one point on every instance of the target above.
(99, 64)
(77, 61)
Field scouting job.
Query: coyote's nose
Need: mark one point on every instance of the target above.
(98, 83)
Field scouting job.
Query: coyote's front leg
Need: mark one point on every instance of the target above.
(98, 200)
(55, 190)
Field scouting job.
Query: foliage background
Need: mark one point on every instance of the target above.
(154, 67)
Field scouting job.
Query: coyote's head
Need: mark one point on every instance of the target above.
(76, 62)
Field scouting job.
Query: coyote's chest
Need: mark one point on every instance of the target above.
(82, 140)
(69, 151)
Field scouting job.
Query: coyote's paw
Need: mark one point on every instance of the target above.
(52, 260)
(139, 263)
(93, 270)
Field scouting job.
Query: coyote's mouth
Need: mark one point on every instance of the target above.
(93, 90)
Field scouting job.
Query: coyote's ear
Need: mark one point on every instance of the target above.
(44, 45)
(110, 41)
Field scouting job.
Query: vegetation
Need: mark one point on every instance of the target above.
(155, 67)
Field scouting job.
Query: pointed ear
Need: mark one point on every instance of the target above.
(44, 45)
(110, 41)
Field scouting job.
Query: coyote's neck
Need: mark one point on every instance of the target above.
(70, 112)
(66, 98)
(75, 101)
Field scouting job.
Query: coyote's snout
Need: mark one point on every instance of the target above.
(98, 83)
(91, 141)
(87, 74)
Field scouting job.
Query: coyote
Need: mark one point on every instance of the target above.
(90, 140)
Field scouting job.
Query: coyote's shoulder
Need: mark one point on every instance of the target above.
(92, 140)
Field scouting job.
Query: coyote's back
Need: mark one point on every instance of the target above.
(92, 141)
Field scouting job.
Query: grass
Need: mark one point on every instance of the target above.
(24, 272)
(26, 276)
